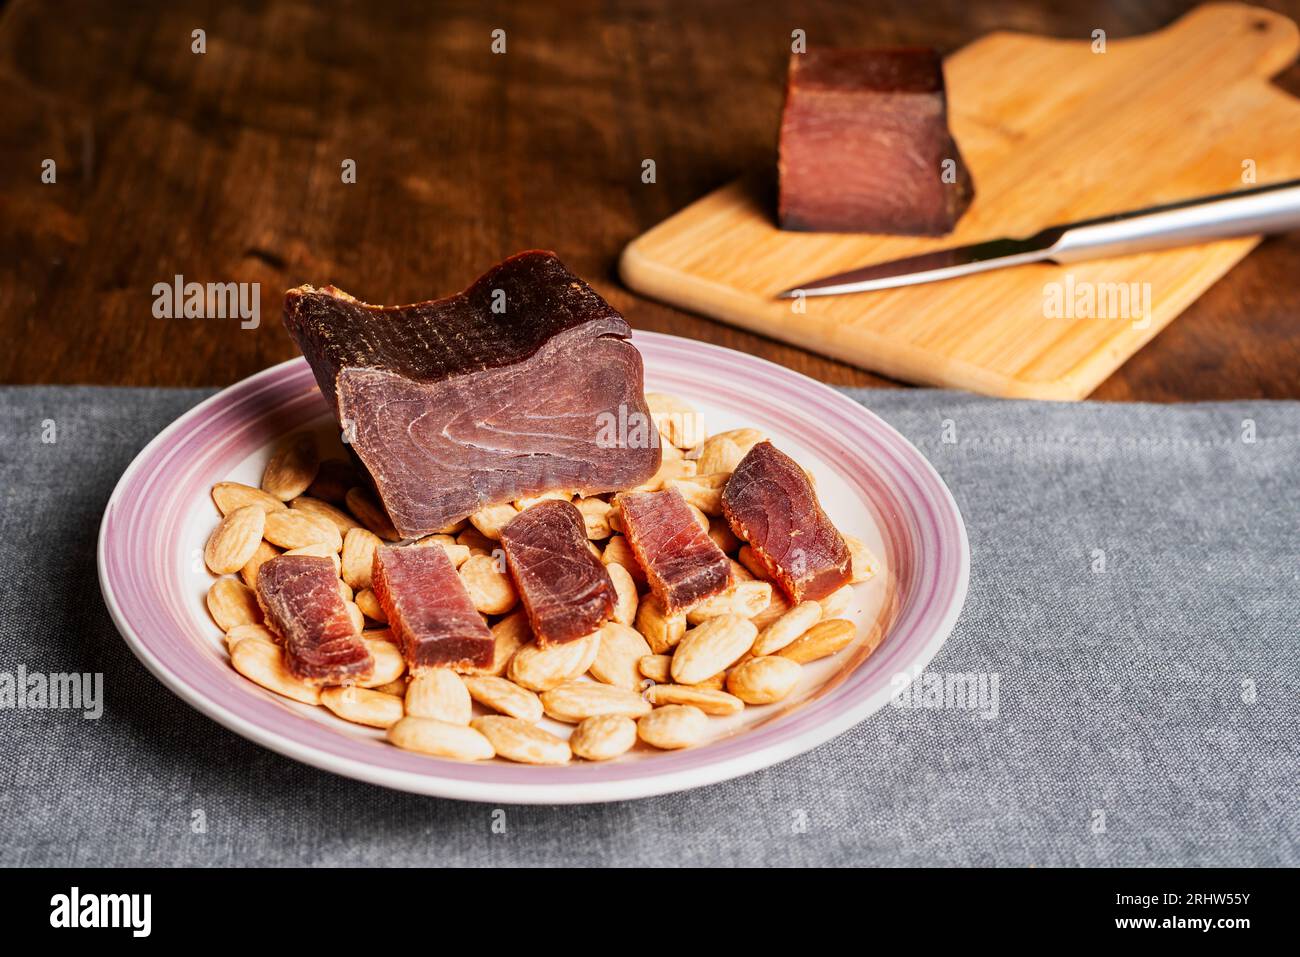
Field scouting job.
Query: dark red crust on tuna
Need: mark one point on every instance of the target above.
(864, 136)
(428, 609)
(565, 589)
(682, 563)
(452, 405)
(299, 595)
(769, 503)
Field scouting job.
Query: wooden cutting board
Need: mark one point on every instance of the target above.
(1053, 132)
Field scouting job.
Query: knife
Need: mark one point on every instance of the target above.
(1247, 212)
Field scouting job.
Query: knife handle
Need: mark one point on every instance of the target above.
(1248, 212)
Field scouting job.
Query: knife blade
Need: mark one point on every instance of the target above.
(1262, 209)
(930, 267)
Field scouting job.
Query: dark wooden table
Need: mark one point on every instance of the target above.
(225, 166)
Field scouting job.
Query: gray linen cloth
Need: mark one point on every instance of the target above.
(1133, 587)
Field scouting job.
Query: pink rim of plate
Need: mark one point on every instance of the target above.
(141, 566)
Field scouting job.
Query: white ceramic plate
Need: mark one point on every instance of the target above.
(871, 481)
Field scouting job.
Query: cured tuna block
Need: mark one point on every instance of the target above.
(300, 596)
(565, 589)
(683, 564)
(428, 609)
(524, 383)
(865, 146)
(769, 502)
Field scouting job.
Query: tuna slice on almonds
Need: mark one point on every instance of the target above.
(684, 565)
(299, 595)
(429, 611)
(505, 390)
(566, 590)
(769, 502)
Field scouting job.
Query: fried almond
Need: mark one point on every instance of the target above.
(573, 701)
(370, 606)
(341, 519)
(363, 706)
(491, 519)
(744, 599)
(389, 664)
(264, 553)
(235, 540)
(438, 693)
(864, 562)
(358, 557)
(503, 695)
(596, 514)
(293, 528)
(292, 468)
(673, 726)
(661, 630)
(232, 495)
(627, 599)
(619, 552)
(490, 589)
(431, 736)
(787, 628)
(707, 700)
(764, 680)
(656, 667)
(263, 663)
(517, 740)
(677, 421)
(621, 650)
(237, 634)
(541, 669)
(232, 603)
(708, 649)
(603, 736)
(820, 641)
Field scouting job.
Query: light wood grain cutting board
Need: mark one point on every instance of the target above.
(1053, 132)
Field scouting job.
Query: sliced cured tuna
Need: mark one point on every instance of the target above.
(769, 502)
(565, 589)
(865, 145)
(429, 611)
(682, 563)
(299, 595)
(526, 382)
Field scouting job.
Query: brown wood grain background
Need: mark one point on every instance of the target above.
(226, 166)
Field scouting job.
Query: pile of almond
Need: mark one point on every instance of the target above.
(644, 675)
